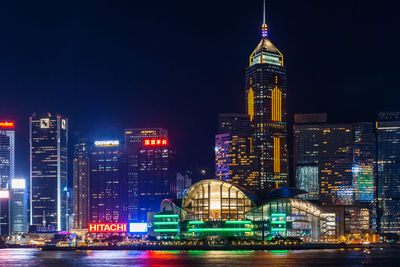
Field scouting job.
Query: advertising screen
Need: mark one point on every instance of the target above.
(107, 227)
(137, 227)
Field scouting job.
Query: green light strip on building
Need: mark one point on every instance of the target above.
(278, 214)
(238, 222)
(278, 229)
(165, 230)
(165, 223)
(278, 222)
(166, 216)
(196, 222)
(221, 230)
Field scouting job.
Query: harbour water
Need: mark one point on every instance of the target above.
(329, 257)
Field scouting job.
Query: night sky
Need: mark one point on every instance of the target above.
(111, 65)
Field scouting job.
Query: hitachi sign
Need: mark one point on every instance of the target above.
(107, 227)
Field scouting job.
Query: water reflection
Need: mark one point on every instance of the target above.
(349, 257)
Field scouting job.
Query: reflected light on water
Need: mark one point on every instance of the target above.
(36, 257)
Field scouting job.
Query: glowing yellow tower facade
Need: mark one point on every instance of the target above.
(266, 106)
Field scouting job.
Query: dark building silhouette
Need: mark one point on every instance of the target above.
(108, 182)
(81, 196)
(151, 170)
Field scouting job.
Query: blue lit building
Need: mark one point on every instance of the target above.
(48, 170)
(7, 172)
(18, 206)
(388, 171)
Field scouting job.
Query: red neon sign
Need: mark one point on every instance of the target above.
(155, 142)
(107, 227)
(7, 124)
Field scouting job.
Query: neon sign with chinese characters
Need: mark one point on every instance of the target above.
(155, 142)
(7, 124)
(107, 227)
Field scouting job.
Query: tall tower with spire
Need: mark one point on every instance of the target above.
(266, 106)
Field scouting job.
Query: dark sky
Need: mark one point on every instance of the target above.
(110, 65)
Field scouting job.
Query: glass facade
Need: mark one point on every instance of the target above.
(235, 161)
(81, 194)
(7, 172)
(221, 209)
(213, 200)
(48, 170)
(388, 172)
(335, 163)
(292, 218)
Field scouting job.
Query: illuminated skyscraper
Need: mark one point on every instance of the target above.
(335, 164)
(48, 170)
(18, 206)
(151, 170)
(7, 170)
(235, 161)
(307, 138)
(388, 171)
(108, 181)
(81, 172)
(266, 106)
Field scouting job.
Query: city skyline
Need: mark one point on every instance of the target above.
(266, 128)
(130, 79)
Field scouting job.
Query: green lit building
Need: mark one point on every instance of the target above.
(217, 209)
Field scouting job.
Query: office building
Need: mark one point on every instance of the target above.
(81, 172)
(108, 182)
(18, 206)
(266, 105)
(183, 182)
(7, 172)
(235, 160)
(151, 170)
(388, 172)
(334, 163)
(48, 170)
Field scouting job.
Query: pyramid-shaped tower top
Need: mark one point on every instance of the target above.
(266, 52)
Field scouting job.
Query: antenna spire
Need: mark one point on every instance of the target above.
(264, 27)
(264, 14)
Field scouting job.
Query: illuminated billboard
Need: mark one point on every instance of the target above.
(17, 183)
(7, 124)
(106, 143)
(155, 142)
(137, 227)
(4, 194)
(107, 227)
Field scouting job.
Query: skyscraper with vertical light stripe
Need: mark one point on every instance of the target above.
(266, 106)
